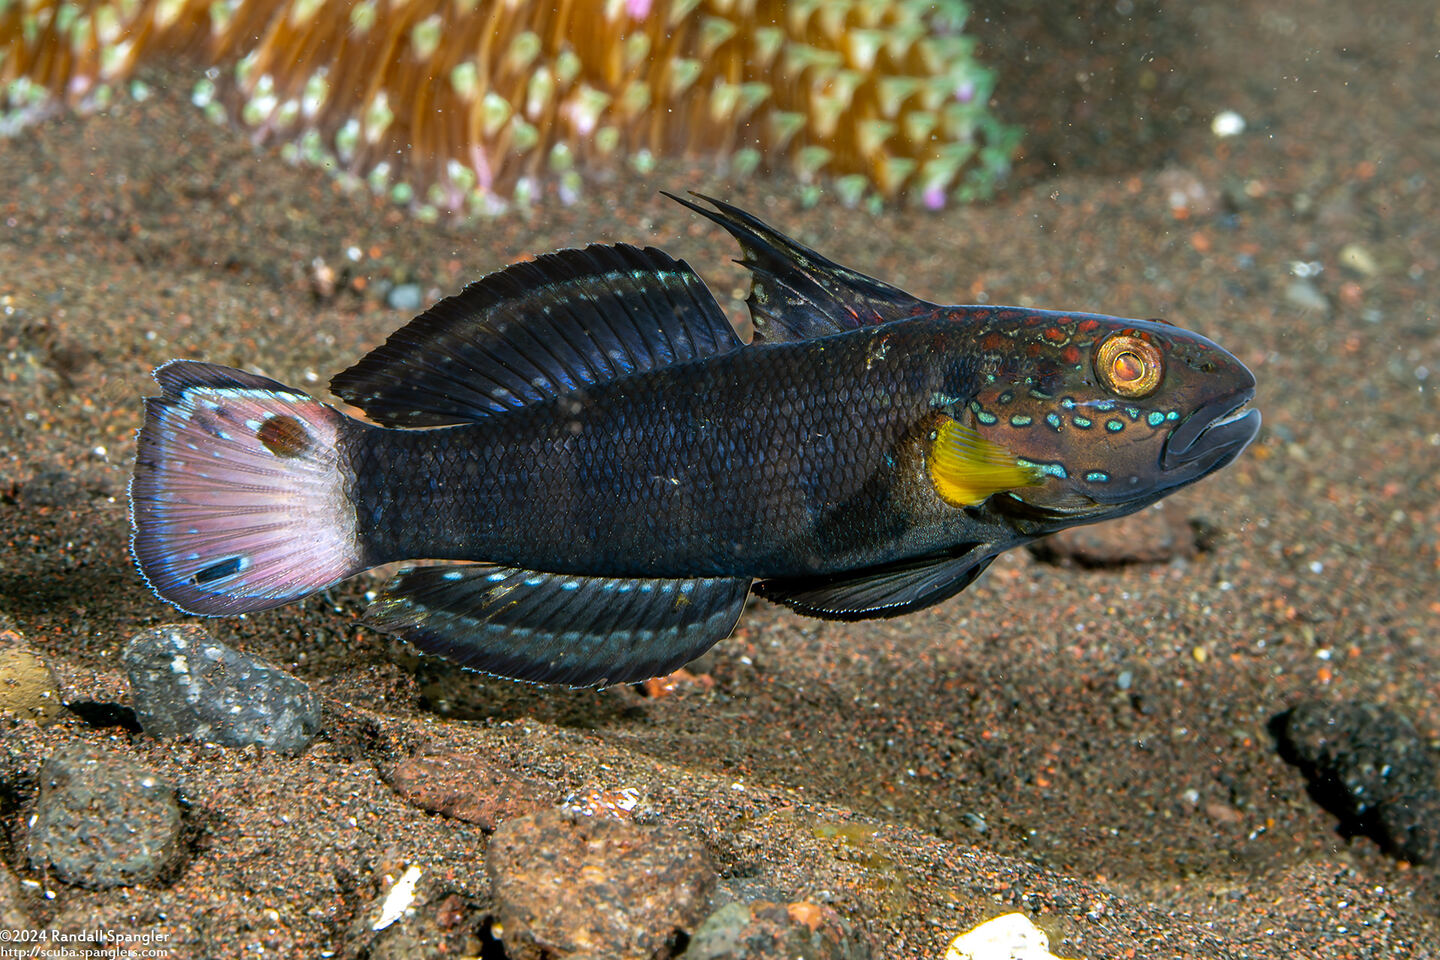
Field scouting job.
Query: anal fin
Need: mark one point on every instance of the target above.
(888, 590)
(557, 628)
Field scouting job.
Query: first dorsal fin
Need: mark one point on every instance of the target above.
(537, 329)
(795, 293)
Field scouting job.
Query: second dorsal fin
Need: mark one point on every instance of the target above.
(795, 293)
(537, 329)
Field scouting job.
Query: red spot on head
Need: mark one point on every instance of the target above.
(995, 342)
(1088, 325)
(1070, 354)
(1055, 335)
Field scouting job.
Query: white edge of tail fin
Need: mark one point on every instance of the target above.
(238, 502)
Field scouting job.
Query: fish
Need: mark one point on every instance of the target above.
(588, 471)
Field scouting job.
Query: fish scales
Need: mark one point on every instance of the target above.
(590, 472)
(734, 466)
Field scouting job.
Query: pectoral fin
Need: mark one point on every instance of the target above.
(555, 628)
(966, 468)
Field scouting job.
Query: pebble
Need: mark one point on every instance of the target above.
(1305, 295)
(467, 788)
(776, 931)
(1010, 936)
(568, 886)
(1372, 769)
(28, 689)
(406, 297)
(1155, 535)
(102, 822)
(187, 684)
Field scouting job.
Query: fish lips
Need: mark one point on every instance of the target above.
(1213, 435)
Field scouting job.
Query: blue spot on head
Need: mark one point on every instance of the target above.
(985, 417)
(1105, 405)
(1114, 426)
(1020, 420)
(1173, 415)
(1133, 413)
(1067, 403)
(1082, 422)
(1049, 469)
(1155, 418)
(1097, 476)
(1053, 420)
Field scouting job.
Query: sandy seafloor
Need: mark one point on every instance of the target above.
(1153, 821)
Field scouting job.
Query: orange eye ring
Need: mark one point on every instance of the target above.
(1129, 366)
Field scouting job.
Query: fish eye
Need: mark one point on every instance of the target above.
(1129, 366)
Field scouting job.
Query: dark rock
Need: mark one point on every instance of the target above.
(1154, 535)
(1368, 766)
(102, 822)
(774, 931)
(467, 788)
(187, 684)
(594, 887)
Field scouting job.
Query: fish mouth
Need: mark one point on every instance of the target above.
(1212, 436)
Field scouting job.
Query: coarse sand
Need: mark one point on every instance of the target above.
(1088, 745)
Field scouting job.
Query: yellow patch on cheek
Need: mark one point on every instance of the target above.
(965, 468)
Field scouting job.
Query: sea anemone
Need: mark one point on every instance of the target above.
(464, 105)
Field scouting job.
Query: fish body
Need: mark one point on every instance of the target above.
(614, 469)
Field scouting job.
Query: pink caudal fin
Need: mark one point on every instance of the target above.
(239, 497)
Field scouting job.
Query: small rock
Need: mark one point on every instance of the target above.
(1154, 535)
(1357, 258)
(407, 297)
(1368, 766)
(445, 927)
(467, 788)
(1305, 295)
(773, 931)
(1010, 936)
(187, 684)
(102, 822)
(28, 689)
(594, 887)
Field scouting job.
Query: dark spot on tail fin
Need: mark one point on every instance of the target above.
(218, 571)
(283, 436)
(556, 628)
(795, 293)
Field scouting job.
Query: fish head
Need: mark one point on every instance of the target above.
(1109, 414)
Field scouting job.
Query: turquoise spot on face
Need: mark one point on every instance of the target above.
(1173, 415)
(1049, 469)
(985, 417)
(1114, 426)
(1020, 420)
(1105, 405)
(1067, 403)
(1039, 394)
(1053, 420)
(1133, 413)
(1155, 418)
(1006, 397)
(1098, 476)
(1082, 422)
